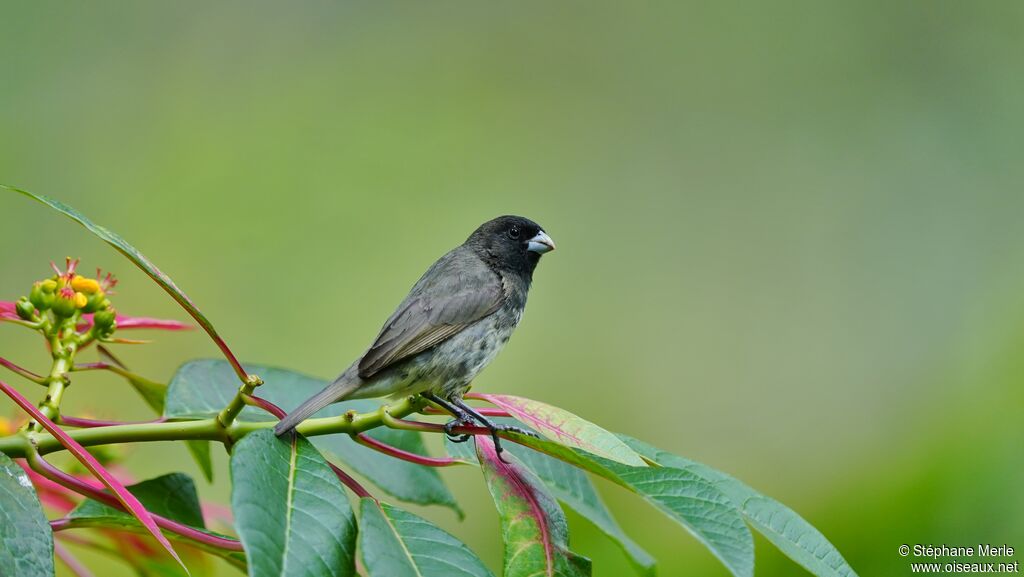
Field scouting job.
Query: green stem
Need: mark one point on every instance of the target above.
(227, 416)
(18, 445)
(63, 353)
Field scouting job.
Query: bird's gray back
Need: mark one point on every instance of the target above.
(455, 292)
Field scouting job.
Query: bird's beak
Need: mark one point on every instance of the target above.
(541, 243)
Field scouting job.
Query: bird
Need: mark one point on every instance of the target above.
(452, 324)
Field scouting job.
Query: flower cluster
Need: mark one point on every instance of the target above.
(68, 295)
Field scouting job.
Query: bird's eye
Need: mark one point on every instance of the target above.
(513, 233)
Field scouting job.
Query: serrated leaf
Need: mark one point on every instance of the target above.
(201, 388)
(787, 530)
(686, 497)
(291, 512)
(133, 254)
(573, 488)
(396, 543)
(566, 428)
(27, 540)
(533, 526)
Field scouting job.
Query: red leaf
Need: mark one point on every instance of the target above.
(565, 428)
(126, 322)
(129, 501)
(7, 311)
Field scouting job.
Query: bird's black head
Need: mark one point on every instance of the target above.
(511, 243)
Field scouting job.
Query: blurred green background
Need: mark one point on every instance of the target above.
(788, 234)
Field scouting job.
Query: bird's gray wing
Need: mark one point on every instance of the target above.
(458, 290)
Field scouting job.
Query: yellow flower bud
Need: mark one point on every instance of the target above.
(81, 300)
(49, 285)
(85, 285)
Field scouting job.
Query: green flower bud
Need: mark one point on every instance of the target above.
(105, 321)
(97, 301)
(26, 310)
(40, 296)
(66, 302)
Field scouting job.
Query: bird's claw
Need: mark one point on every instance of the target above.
(449, 430)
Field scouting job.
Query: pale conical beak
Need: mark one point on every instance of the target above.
(541, 243)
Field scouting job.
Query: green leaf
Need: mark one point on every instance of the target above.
(150, 391)
(291, 512)
(396, 543)
(685, 496)
(464, 451)
(173, 496)
(566, 428)
(787, 530)
(572, 487)
(200, 451)
(533, 526)
(133, 254)
(27, 549)
(201, 388)
(401, 479)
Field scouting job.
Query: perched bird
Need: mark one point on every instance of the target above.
(453, 322)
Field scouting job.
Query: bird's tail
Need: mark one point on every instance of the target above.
(341, 388)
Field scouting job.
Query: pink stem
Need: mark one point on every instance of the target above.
(22, 371)
(71, 561)
(93, 366)
(349, 482)
(368, 441)
(265, 405)
(60, 477)
(90, 423)
(230, 356)
(487, 412)
(278, 412)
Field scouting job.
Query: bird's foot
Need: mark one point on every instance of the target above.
(460, 421)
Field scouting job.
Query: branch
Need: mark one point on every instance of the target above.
(278, 412)
(88, 423)
(19, 445)
(205, 429)
(368, 441)
(54, 474)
